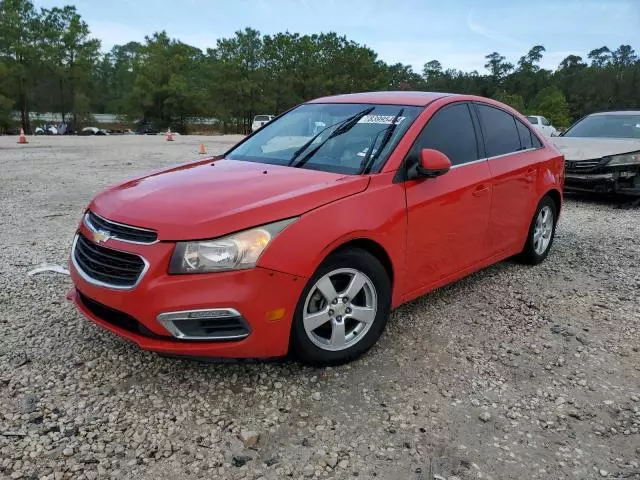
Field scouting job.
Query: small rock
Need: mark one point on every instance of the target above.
(240, 460)
(67, 452)
(485, 416)
(17, 359)
(308, 470)
(331, 460)
(316, 395)
(29, 403)
(604, 473)
(249, 438)
(343, 463)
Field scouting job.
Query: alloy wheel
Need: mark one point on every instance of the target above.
(339, 309)
(543, 230)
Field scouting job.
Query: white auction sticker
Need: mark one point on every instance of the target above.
(381, 119)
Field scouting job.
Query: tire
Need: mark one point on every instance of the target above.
(535, 252)
(342, 337)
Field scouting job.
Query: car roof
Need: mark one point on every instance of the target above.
(618, 112)
(419, 99)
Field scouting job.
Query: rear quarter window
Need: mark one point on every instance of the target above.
(527, 138)
(499, 129)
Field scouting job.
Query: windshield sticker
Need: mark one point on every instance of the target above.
(381, 119)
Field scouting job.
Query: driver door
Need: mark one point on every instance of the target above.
(447, 216)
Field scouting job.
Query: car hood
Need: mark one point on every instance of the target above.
(577, 148)
(208, 199)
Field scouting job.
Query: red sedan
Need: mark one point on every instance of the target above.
(303, 236)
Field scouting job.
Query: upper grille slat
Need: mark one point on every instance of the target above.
(126, 233)
(112, 268)
(582, 165)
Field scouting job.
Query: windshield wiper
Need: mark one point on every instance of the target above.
(370, 157)
(343, 127)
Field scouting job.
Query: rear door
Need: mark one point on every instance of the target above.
(447, 216)
(510, 147)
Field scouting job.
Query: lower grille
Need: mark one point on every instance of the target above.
(204, 330)
(105, 266)
(117, 318)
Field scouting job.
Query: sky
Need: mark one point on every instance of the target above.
(458, 33)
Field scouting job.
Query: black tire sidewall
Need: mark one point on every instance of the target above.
(530, 255)
(361, 260)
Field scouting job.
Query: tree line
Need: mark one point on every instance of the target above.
(49, 62)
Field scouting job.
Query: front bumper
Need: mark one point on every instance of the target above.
(256, 293)
(625, 182)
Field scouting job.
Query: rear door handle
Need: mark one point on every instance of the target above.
(480, 190)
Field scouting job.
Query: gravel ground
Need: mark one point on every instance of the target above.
(514, 372)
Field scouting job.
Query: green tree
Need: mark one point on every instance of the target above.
(528, 61)
(512, 99)
(20, 28)
(551, 103)
(600, 57)
(167, 83)
(71, 55)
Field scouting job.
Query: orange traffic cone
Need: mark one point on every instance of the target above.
(169, 135)
(203, 151)
(22, 140)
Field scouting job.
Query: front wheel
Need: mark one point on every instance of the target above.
(541, 233)
(343, 309)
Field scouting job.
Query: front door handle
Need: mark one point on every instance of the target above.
(480, 190)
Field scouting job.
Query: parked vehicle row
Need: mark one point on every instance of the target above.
(304, 235)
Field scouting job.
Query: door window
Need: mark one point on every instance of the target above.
(451, 132)
(533, 120)
(545, 122)
(499, 130)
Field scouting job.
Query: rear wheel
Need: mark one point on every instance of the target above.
(342, 310)
(541, 233)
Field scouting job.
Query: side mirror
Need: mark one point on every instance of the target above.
(433, 163)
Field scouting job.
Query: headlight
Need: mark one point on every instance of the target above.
(626, 159)
(234, 252)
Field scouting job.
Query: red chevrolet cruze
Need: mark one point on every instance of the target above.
(304, 235)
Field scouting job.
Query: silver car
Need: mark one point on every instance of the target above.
(602, 153)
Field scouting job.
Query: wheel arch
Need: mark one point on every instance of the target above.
(557, 200)
(372, 247)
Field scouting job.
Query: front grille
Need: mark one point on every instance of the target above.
(582, 165)
(120, 231)
(117, 318)
(112, 268)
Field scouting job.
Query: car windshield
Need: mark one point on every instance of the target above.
(261, 118)
(607, 126)
(332, 137)
(533, 120)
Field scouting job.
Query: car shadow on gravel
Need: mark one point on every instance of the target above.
(612, 200)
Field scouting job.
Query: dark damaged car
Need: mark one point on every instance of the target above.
(602, 153)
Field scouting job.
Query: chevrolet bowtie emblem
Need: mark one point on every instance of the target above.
(100, 236)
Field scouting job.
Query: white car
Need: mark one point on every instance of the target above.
(602, 153)
(543, 125)
(260, 120)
